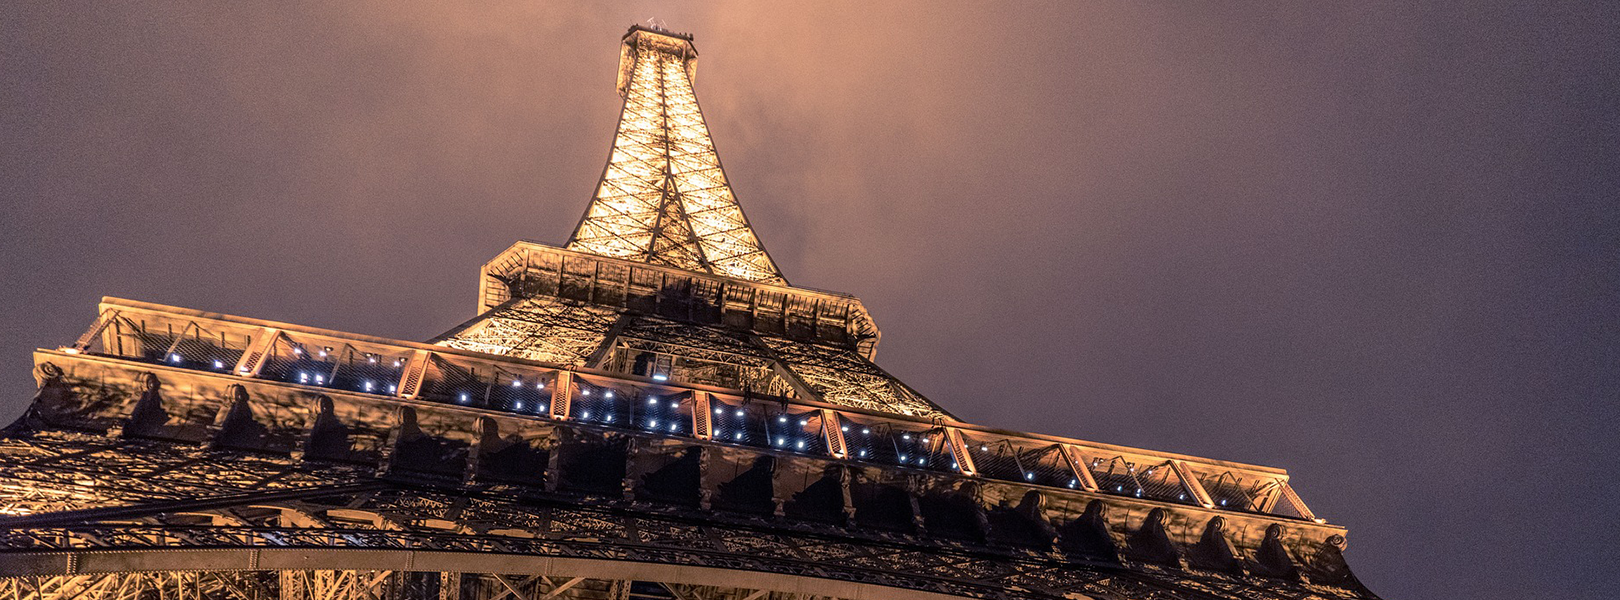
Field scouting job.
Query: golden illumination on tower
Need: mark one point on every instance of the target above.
(650, 413)
(664, 198)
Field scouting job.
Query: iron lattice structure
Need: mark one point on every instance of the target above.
(664, 198)
(670, 423)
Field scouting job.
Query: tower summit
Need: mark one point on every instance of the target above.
(664, 247)
(650, 412)
(664, 198)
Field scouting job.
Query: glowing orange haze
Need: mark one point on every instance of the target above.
(1371, 243)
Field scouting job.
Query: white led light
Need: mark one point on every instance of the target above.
(320, 379)
(865, 431)
(738, 436)
(303, 377)
(584, 392)
(845, 428)
(586, 415)
(517, 383)
(464, 396)
(863, 453)
(541, 408)
(902, 458)
(1029, 477)
(218, 364)
(174, 358)
(804, 422)
(925, 440)
(799, 444)
(674, 426)
(674, 404)
(517, 406)
(368, 386)
(609, 418)
(781, 419)
(739, 412)
(652, 423)
(607, 394)
(371, 359)
(719, 411)
(905, 436)
(540, 385)
(651, 401)
(392, 388)
(660, 377)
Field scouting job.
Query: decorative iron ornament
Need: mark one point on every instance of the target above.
(664, 198)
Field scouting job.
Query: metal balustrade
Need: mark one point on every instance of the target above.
(665, 408)
(1021, 461)
(1155, 480)
(912, 445)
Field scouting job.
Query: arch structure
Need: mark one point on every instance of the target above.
(650, 413)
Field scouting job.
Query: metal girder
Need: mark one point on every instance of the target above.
(356, 585)
(1190, 483)
(398, 526)
(543, 329)
(252, 360)
(697, 341)
(105, 475)
(148, 509)
(424, 531)
(844, 377)
(552, 330)
(323, 574)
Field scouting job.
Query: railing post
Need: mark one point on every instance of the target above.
(1082, 471)
(1191, 483)
(959, 451)
(168, 353)
(1299, 505)
(89, 337)
(831, 430)
(1273, 493)
(562, 394)
(252, 360)
(410, 378)
(702, 419)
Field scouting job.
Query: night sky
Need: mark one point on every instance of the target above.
(1374, 243)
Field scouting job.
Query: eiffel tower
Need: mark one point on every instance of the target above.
(651, 411)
